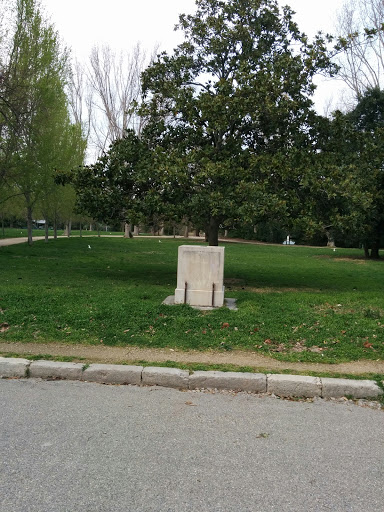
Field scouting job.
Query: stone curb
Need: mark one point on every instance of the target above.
(56, 370)
(12, 367)
(167, 377)
(236, 381)
(334, 388)
(279, 385)
(294, 385)
(113, 374)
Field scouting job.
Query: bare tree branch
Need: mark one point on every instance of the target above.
(362, 65)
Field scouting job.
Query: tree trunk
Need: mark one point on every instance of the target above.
(136, 230)
(331, 240)
(98, 230)
(2, 224)
(127, 230)
(81, 230)
(186, 231)
(46, 231)
(213, 232)
(67, 230)
(375, 250)
(366, 251)
(29, 222)
(55, 229)
(206, 233)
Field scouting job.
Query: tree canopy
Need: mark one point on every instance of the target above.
(228, 118)
(367, 118)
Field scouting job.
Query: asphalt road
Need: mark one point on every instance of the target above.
(81, 447)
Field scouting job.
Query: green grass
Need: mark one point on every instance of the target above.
(295, 303)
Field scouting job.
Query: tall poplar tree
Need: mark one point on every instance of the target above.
(38, 134)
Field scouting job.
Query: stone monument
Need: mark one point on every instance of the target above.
(200, 275)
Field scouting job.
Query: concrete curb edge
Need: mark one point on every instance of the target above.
(277, 384)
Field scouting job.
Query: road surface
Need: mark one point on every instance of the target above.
(82, 447)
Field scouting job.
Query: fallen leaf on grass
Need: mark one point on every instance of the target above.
(367, 344)
(225, 325)
(4, 327)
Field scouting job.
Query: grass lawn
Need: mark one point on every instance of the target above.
(295, 303)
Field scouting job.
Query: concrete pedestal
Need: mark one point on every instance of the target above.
(200, 274)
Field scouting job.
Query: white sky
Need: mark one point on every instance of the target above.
(122, 23)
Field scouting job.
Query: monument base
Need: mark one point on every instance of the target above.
(228, 303)
(214, 298)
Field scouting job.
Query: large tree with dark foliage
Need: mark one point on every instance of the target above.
(367, 118)
(230, 111)
(228, 121)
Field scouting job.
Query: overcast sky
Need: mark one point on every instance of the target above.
(122, 23)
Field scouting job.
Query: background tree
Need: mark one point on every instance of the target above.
(37, 133)
(360, 25)
(368, 120)
(333, 199)
(114, 188)
(103, 93)
(55, 203)
(343, 193)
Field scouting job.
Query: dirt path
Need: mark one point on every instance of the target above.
(12, 241)
(102, 354)
(22, 240)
